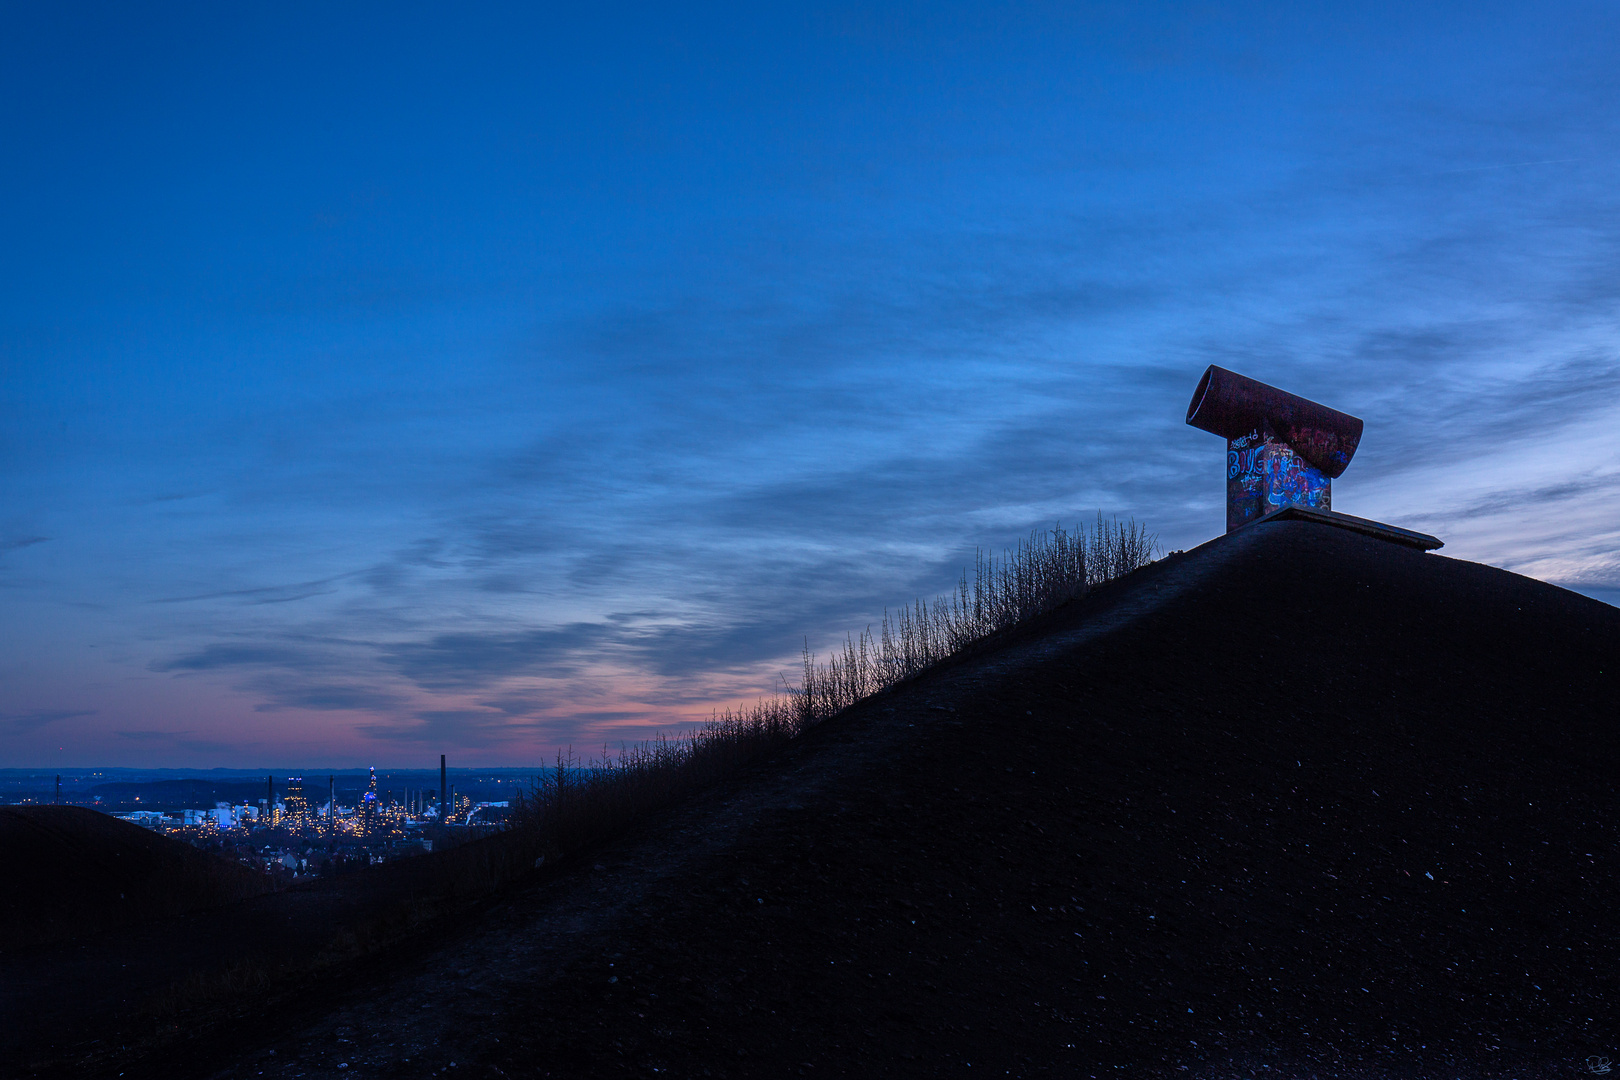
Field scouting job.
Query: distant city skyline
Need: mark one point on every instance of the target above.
(382, 382)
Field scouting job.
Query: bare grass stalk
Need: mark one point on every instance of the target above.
(577, 803)
(1041, 574)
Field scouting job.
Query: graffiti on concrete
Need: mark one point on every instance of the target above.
(1264, 474)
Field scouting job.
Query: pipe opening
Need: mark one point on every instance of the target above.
(1200, 393)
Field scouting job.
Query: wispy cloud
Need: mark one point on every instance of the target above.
(215, 656)
(19, 723)
(153, 736)
(471, 660)
(264, 594)
(470, 728)
(293, 692)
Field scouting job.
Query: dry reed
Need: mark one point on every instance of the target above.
(578, 802)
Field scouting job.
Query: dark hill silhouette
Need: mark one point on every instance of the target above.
(1299, 800)
(187, 791)
(73, 872)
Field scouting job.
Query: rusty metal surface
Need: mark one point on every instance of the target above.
(1235, 406)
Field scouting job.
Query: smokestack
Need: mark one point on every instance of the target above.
(331, 801)
(58, 789)
(269, 793)
(444, 795)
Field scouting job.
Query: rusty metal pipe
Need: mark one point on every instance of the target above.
(1232, 405)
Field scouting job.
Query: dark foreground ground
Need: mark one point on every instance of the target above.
(1297, 803)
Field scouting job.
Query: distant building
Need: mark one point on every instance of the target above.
(149, 819)
(368, 802)
(489, 813)
(297, 804)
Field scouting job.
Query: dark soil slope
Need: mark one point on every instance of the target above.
(72, 871)
(1296, 803)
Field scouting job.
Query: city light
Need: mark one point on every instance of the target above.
(299, 827)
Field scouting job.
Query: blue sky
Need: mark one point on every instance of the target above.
(387, 381)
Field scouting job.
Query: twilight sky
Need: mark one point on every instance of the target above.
(380, 382)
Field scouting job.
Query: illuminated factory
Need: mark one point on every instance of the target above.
(299, 831)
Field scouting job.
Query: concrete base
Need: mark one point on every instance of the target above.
(1378, 529)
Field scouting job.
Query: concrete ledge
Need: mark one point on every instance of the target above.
(1405, 537)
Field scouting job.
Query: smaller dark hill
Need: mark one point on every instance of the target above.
(188, 791)
(74, 871)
